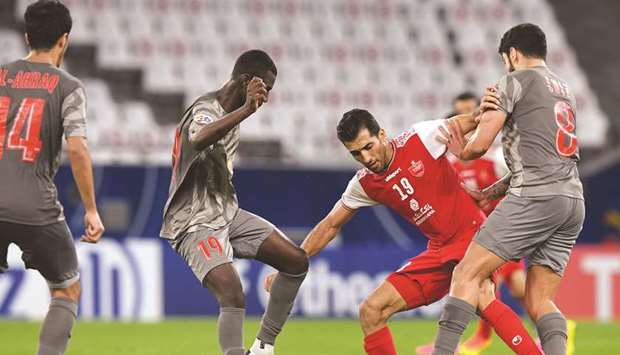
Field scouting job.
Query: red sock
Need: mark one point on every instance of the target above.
(509, 327)
(380, 343)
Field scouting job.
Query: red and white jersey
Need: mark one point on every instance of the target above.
(420, 185)
(482, 173)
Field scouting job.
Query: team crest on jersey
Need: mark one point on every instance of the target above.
(404, 137)
(417, 168)
(202, 117)
(413, 203)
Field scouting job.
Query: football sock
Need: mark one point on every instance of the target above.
(454, 319)
(230, 330)
(552, 332)
(282, 296)
(56, 328)
(380, 343)
(509, 328)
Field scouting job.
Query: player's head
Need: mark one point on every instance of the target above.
(524, 41)
(464, 103)
(364, 138)
(48, 23)
(253, 63)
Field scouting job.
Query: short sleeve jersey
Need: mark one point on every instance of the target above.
(539, 140)
(201, 191)
(39, 104)
(419, 184)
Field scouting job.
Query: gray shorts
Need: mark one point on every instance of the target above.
(206, 248)
(543, 229)
(48, 249)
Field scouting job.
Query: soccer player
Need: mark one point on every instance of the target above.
(543, 211)
(412, 175)
(39, 103)
(479, 174)
(202, 218)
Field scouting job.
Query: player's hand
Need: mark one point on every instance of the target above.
(480, 197)
(490, 100)
(452, 136)
(269, 281)
(94, 228)
(256, 95)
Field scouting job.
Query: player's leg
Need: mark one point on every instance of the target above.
(50, 250)
(507, 324)
(547, 264)
(511, 231)
(460, 308)
(482, 337)
(209, 254)
(223, 281)
(374, 313)
(514, 275)
(254, 237)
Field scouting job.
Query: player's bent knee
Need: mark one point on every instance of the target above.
(71, 292)
(371, 313)
(300, 263)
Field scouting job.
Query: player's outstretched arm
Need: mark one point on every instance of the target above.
(320, 235)
(256, 95)
(490, 124)
(327, 229)
(82, 168)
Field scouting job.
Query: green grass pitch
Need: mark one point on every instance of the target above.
(189, 336)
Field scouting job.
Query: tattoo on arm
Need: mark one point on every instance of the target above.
(498, 189)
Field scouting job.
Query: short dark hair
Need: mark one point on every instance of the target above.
(353, 121)
(254, 62)
(46, 21)
(467, 95)
(528, 38)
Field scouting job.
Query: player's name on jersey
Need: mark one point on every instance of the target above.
(30, 80)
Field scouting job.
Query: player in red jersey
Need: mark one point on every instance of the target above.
(412, 175)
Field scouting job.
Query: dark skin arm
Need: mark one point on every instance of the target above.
(256, 95)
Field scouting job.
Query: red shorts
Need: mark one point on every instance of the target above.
(425, 278)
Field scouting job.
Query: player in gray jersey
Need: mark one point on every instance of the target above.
(39, 103)
(202, 218)
(543, 211)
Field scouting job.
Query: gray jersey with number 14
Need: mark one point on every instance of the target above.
(39, 103)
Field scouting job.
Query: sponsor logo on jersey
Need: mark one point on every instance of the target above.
(417, 168)
(413, 203)
(392, 175)
(517, 340)
(422, 214)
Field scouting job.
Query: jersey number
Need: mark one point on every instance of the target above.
(405, 189)
(565, 138)
(29, 115)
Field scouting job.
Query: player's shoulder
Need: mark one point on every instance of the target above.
(361, 174)
(405, 136)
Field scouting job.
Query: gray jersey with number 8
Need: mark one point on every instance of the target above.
(539, 140)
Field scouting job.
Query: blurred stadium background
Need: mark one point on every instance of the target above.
(143, 61)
